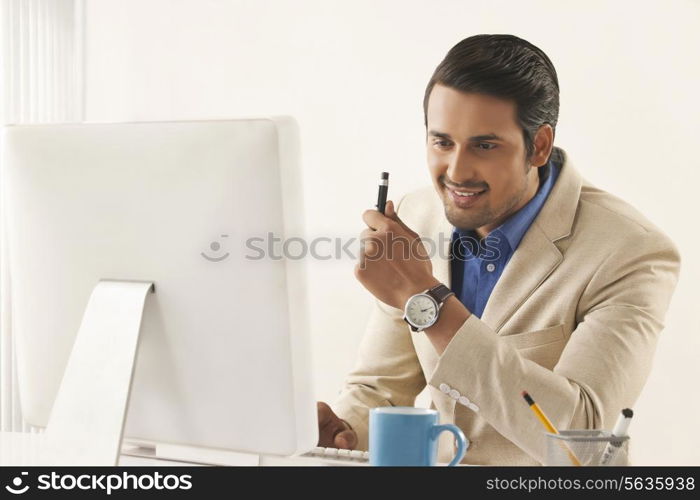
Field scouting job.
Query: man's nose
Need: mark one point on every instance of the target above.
(458, 168)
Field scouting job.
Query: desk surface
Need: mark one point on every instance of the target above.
(25, 449)
(17, 448)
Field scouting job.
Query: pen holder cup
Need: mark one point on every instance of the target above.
(587, 448)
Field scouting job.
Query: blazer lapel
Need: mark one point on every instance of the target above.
(537, 256)
(535, 259)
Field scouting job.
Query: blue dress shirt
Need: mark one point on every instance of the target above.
(478, 264)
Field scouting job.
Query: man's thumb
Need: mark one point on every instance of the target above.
(390, 212)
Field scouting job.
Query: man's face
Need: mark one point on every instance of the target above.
(476, 156)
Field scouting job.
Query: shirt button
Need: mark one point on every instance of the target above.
(490, 267)
(444, 388)
(454, 394)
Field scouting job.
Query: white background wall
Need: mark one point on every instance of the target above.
(353, 74)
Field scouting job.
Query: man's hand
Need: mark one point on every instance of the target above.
(392, 276)
(332, 431)
(394, 263)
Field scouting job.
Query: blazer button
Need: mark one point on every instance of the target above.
(454, 394)
(464, 400)
(444, 388)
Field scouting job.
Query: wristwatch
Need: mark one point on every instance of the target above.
(422, 310)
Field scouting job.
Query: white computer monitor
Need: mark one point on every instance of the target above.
(223, 360)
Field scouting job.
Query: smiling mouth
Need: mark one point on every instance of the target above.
(464, 198)
(466, 194)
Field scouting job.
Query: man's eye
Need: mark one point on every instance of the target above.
(442, 144)
(490, 146)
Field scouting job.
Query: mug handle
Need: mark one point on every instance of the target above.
(462, 442)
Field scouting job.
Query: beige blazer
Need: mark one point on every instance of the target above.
(574, 319)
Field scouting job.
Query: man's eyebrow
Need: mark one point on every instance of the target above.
(475, 138)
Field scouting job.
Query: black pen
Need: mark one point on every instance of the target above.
(383, 190)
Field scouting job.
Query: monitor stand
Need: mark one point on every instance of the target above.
(190, 454)
(87, 420)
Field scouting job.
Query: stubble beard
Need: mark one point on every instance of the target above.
(473, 218)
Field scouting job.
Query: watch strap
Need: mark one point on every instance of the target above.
(440, 293)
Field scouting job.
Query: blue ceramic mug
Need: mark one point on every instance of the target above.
(403, 435)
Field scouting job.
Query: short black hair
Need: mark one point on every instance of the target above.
(507, 67)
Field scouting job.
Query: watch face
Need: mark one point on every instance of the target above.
(421, 310)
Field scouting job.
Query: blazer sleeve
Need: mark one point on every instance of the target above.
(387, 371)
(603, 366)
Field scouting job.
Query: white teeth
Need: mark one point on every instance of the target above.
(465, 194)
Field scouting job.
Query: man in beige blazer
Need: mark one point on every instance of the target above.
(577, 310)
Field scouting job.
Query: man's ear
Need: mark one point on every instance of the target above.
(543, 142)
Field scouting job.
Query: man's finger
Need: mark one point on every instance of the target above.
(325, 413)
(391, 213)
(389, 210)
(375, 220)
(370, 246)
(368, 233)
(346, 440)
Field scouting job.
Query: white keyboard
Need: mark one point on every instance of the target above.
(338, 454)
(317, 456)
(321, 456)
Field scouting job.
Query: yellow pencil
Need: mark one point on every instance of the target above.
(548, 425)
